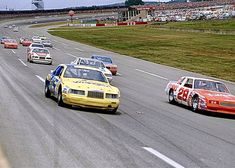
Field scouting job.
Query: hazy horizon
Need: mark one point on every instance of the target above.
(50, 4)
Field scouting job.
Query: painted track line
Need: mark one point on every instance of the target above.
(158, 76)
(40, 78)
(163, 157)
(71, 55)
(79, 49)
(22, 62)
(13, 51)
(65, 44)
(56, 48)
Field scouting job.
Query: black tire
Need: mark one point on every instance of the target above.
(195, 101)
(47, 91)
(171, 98)
(114, 111)
(59, 99)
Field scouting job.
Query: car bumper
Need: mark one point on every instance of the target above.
(82, 101)
(43, 61)
(11, 47)
(221, 110)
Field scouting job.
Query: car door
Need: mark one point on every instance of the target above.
(184, 91)
(56, 80)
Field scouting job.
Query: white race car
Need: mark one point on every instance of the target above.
(39, 55)
(94, 63)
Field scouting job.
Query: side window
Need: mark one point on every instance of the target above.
(59, 71)
(189, 83)
(180, 81)
(54, 72)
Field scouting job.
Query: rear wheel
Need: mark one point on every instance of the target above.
(195, 101)
(171, 98)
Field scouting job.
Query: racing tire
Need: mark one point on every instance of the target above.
(171, 98)
(47, 92)
(114, 111)
(60, 100)
(195, 101)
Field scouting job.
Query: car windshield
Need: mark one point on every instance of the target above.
(210, 85)
(37, 45)
(91, 63)
(104, 59)
(11, 41)
(88, 74)
(40, 50)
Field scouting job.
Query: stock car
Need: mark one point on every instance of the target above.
(82, 86)
(26, 42)
(39, 55)
(33, 45)
(36, 39)
(3, 39)
(10, 43)
(94, 63)
(108, 62)
(201, 94)
(47, 43)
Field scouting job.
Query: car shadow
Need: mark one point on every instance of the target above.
(207, 113)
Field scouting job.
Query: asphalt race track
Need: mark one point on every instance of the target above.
(147, 131)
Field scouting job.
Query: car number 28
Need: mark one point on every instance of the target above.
(183, 94)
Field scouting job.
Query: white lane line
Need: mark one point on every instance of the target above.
(40, 78)
(64, 44)
(56, 48)
(22, 62)
(151, 74)
(118, 74)
(13, 51)
(79, 49)
(163, 157)
(71, 55)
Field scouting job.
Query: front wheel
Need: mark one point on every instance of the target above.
(171, 98)
(114, 111)
(47, 92)
(60, 99)
(195, 101)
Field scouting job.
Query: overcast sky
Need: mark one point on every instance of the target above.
(50, 4)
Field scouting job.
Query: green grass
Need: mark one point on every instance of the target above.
(202, 25)
(208, 54)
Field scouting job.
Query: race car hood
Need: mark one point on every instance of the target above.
(218, 96)
(82, 84)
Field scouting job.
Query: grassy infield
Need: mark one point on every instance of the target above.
(209, 54)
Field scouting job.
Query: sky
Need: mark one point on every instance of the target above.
(55, 4)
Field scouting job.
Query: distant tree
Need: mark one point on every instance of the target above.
(133, 2)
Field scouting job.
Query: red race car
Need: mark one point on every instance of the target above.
(26, 42)
(201, 94)
(108, 62)
(11, 43)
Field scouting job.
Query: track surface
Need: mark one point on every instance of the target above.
(35, 132)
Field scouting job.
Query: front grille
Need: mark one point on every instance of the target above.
(95, 94)
(228, 104)
(41, 57)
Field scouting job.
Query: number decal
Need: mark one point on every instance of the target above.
(183, 94)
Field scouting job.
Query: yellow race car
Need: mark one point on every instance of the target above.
(82, 86)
